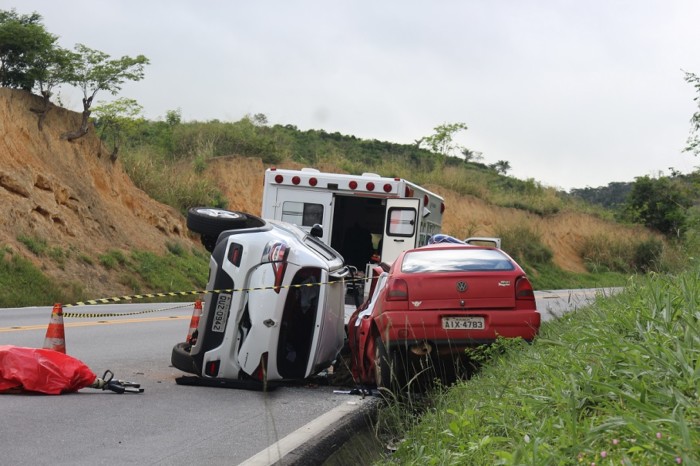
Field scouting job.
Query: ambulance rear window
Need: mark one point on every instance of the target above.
(302, 213)
(402, 222)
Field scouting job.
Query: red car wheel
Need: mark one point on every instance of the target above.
(385, 367)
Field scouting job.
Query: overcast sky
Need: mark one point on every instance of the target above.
(571, 93)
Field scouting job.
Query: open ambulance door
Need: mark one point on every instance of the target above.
(400, 229)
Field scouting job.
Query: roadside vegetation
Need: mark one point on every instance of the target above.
(142, 272)
(18, 275)
(614, 383)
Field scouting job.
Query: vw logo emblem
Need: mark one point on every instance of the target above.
(461, 287)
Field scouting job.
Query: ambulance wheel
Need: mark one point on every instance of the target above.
(211, 221)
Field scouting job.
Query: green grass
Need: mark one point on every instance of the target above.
(38, 246)
(170, 272)
(551, 277)
(23, 284)
(179, 270)
(112, 259)
(615, 383)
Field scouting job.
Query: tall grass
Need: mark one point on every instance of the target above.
(177, 184)
(615, 383)
(525, 245)
(625, 255)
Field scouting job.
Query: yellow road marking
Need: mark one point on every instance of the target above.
(92, 324)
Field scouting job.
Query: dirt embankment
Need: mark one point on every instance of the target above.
(72, 196)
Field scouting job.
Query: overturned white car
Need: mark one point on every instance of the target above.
(275, 303)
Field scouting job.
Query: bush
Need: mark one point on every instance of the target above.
(601, 253)
(647, 255)
(525, 245)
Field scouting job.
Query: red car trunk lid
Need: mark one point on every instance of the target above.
(482, 290)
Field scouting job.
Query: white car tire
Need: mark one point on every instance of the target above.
(212, 221)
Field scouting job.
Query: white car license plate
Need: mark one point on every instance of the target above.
(463, 323)
(223, 303)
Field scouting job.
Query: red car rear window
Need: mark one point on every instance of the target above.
(455, 260)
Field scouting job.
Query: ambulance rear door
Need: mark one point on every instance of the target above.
(401, 227)
(305, 208)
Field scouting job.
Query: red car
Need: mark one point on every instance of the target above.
(433, 303)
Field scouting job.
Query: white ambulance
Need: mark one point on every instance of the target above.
(367, 218)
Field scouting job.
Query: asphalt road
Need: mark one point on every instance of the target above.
(168, 424)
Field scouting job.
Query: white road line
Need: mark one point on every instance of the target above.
(303, 435)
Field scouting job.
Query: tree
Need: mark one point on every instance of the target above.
(259, 119)
(612, 196)
(659, 203)
(51, 68)
(502, 166)
(173, 117)
(95, 72)
(116, 118)
(22, 39)
(471, 155)
(442, 142)
(694, 138)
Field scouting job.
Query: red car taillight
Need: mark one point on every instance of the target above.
(523, 290)
(397, 290)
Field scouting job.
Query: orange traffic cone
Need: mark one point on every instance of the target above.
(55, 336)
(194, 323)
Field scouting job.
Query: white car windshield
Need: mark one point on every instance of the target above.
(455, 260)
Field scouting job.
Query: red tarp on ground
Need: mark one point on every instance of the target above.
(41, 370)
